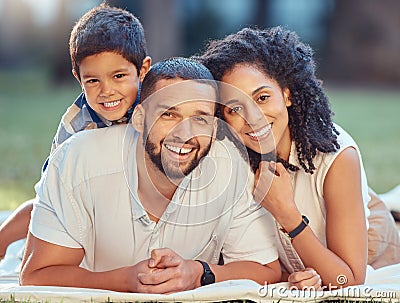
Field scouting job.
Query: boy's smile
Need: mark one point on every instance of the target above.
(110, 83)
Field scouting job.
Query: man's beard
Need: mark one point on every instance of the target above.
(174, 172)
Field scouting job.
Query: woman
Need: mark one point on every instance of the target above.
(317, 191)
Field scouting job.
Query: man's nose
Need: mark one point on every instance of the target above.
(183, 130)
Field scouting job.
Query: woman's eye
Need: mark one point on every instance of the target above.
(263, 98)
(167, 115)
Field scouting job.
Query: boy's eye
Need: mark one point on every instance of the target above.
(263, 98)
(91, 81)
(118, 76)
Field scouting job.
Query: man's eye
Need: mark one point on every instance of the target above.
(201, 119)
(235, 109)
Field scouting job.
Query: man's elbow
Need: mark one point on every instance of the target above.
(273, 273)
(27, 277)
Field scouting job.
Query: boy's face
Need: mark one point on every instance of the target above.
(110, 83)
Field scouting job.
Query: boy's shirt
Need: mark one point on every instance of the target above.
(80, 116)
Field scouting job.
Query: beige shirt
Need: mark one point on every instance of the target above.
(309, 197)
(87, 198)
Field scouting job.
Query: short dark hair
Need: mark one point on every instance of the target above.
(107, 29)
(279, 54)
(175, 68)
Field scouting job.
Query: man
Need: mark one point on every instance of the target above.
(150, 209)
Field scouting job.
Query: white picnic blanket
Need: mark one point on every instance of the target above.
(382, 284)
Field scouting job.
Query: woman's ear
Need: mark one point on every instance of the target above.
(138, 118)
(145, 68)
(286, 96)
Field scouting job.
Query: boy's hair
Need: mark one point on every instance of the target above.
(175, 68)
(107, 29)
(279, 54)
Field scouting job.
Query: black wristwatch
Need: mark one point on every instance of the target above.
(208, 276)
(303, 224)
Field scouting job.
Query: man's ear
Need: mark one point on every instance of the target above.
(145, 68)
(77, 77)
(286, 96)
(138, 118)
(215, 130)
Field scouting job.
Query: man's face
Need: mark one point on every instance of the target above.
(179, 125)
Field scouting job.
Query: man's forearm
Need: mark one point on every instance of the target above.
(122, 279)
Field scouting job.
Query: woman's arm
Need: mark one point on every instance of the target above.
(343, 261)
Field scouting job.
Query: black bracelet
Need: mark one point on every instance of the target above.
(303, 224)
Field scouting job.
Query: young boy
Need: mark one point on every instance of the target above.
(109, 60)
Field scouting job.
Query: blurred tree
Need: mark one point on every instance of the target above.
(163, 28)
(200, 26)
(260, 12)
(364, 44)
(161, 24)
(16, 34)
(59, 59)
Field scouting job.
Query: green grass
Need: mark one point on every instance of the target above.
(372, 118)
(30, 109)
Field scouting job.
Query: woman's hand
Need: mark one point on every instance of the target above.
(306, 279)
(273, 190)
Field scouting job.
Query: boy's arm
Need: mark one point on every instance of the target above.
(15, 227)
(45, 263)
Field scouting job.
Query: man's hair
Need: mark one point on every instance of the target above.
(107, 29)
(175, 68)
(279, 54)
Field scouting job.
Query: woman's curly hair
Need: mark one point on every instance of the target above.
(279, 54)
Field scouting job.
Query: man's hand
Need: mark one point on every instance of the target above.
(306, 279)
(171, 273)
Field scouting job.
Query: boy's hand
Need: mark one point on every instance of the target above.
(172, 273)
(306, 279)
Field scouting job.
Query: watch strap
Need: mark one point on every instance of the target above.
(303, 224)
(208, 276)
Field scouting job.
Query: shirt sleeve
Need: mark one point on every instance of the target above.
(54, 217)
(252, 234)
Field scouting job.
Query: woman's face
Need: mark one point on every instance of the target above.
(259, 113)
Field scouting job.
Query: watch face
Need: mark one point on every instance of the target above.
(208, 278)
